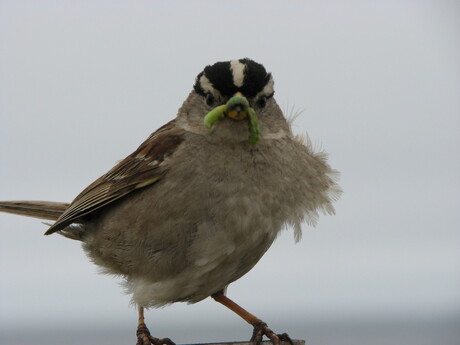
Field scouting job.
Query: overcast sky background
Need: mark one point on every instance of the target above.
(82, 83)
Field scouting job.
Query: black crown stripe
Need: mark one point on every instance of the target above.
(221, 77)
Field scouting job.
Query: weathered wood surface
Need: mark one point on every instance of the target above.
(265, 342)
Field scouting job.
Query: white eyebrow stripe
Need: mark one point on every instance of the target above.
(268, 88)
(238, 72)
(206, 85)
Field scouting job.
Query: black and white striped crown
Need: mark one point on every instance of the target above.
(228, 77)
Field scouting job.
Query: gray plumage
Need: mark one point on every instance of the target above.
(193, 209)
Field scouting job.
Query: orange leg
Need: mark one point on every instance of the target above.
(260, 327)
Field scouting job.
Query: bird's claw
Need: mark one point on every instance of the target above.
(261, 329)
(145, 338)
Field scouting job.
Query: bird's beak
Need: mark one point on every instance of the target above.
(237, 107)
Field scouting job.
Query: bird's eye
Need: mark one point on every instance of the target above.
(262, 101)
(209, 99)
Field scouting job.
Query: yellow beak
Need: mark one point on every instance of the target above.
(237, 107)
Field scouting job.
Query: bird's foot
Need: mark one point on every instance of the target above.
(261, 329)
(145, 338)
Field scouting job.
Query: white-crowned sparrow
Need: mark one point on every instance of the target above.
(199, 202)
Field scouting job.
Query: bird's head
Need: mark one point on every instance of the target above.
(233, 100)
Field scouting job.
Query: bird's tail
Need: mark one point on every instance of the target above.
(37, 209)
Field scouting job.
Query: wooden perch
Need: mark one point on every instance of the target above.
(265, 342)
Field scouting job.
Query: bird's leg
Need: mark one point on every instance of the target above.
(143, 334)
(260, 327)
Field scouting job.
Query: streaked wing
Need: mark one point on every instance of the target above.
(140, 169)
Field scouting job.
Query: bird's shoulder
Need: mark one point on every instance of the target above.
(140, 169)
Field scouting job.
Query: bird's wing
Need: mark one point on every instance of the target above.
(140, 169)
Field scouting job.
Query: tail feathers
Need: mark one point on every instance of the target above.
(37, 209)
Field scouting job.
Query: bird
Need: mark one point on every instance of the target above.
(200, 201)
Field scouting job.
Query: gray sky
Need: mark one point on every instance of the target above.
(83, 83)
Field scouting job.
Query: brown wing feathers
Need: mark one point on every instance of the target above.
(140, 169)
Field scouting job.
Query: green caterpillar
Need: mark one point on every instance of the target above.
(219, 112)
